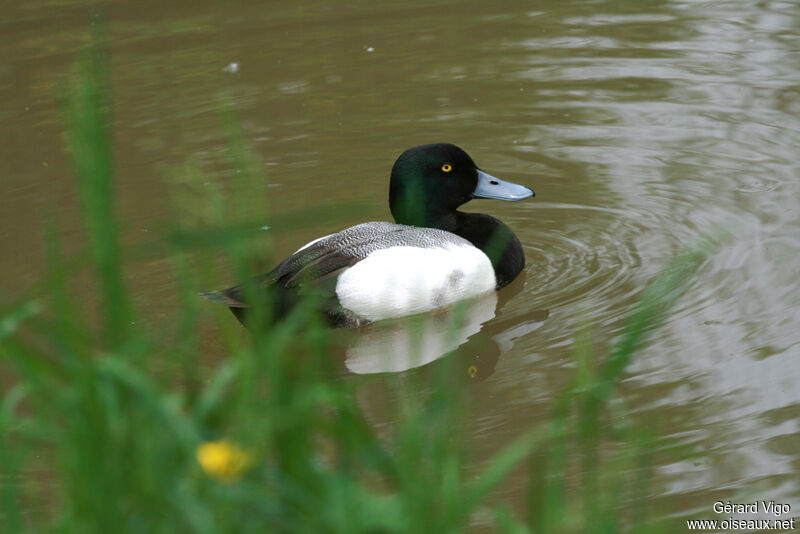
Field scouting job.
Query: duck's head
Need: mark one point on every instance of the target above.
(431, 181)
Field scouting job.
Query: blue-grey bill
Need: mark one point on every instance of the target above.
(491, 187)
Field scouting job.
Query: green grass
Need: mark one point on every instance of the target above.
(111, 417)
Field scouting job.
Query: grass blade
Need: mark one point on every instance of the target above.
(88, 119)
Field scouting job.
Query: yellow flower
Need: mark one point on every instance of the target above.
(223, 460)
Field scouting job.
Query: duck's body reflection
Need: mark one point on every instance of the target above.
(468, 332)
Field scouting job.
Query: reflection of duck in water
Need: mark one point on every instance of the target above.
(465, 332)
(433, 257)
(409, 342)
(477, 358)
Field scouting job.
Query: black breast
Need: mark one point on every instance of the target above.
(496, 240)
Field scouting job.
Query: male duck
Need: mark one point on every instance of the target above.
(433, 256)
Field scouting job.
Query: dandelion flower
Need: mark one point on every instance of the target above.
(223, 460)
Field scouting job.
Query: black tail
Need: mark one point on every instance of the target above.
(280, 299)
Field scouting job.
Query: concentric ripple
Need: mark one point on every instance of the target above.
(584, 257)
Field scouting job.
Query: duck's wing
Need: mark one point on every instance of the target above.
(314, 269)
(327, 257)
(314, 265)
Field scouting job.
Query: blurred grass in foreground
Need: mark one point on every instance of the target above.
(271, 440)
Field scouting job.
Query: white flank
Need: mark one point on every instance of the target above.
(399, 281)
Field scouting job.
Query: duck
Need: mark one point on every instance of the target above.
(431, 257)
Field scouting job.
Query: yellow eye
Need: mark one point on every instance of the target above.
(447, 167)
(472, 371)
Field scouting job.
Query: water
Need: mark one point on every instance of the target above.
(639, 125)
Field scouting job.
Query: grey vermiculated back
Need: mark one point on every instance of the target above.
(353, 244)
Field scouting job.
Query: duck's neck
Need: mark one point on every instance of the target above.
(490, 235)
